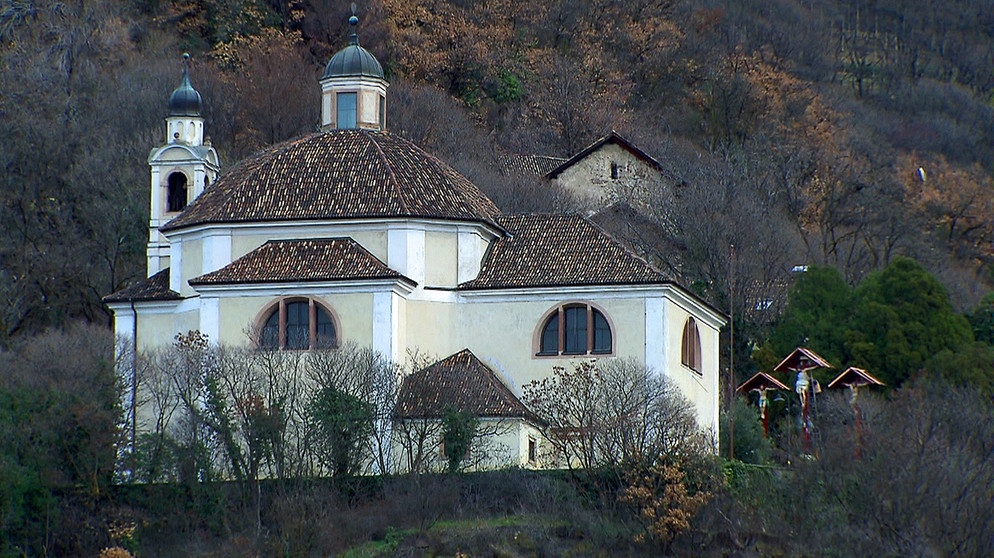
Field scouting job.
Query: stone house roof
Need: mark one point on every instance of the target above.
(545, 250)
(282, 261)
(614, 138)
(525, 165)
(462, 382)
(339, 174)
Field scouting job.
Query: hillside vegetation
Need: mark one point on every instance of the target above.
(840, 133)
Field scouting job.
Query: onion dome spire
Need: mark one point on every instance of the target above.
(185, 100)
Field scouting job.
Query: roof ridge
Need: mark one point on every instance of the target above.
(621, 245)
(389, 166)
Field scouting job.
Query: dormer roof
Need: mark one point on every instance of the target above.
(304, 260)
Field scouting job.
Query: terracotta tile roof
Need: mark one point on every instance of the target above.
(337, 175)
(278, 261)
(614, 138)
(463, 382)
(559, 250)
(155, 287)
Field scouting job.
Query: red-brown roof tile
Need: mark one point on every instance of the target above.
(462, 382)
(559, 250)
(280, 261)
(339, 174)
(155, 287)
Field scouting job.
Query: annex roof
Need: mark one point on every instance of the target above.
(546, 250)
(613, 137)
(339, 174)
(462, 382)
(155, 287)
(281, 261)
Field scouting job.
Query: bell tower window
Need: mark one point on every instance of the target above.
(176, 194)
(346, 110)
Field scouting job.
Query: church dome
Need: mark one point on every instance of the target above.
(353, 60)
(185, 100)
(339, 174)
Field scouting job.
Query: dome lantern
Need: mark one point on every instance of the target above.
(353, 88)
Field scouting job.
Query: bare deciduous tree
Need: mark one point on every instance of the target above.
(614, 413)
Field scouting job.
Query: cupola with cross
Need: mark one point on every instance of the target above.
(353, 89)
(180, 169)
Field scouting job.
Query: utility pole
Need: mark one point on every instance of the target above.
(731, 352)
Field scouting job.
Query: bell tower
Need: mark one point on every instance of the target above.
(353, 89)
(181, 168)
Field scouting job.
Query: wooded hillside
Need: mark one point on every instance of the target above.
(840, 133)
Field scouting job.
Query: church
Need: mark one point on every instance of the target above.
(355, 235)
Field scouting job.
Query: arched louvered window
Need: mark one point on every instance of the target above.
(298, 324)
(690, 352)
(176, 192)
(575, 329)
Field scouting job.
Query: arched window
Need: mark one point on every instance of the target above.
(575, 329)
(690, 351)
(298, 324)
(176, 192)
